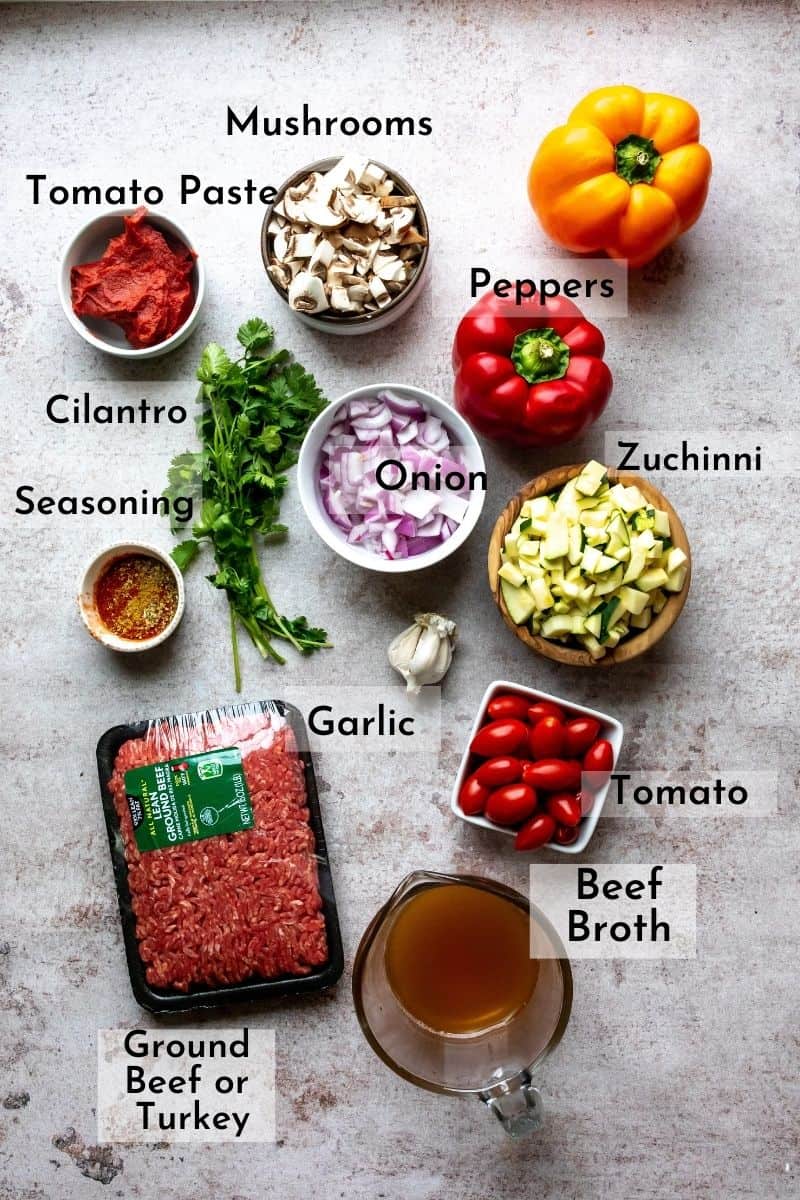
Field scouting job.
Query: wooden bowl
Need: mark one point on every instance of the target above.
(631, 646)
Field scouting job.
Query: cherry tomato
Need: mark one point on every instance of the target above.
(599, 758)
(497, 771)
(579, 735)
(511, 804)
(566, 835)
(553, 775)
(506, 705)
(499, 737)
(544, 708)
(546, 739)
(472, 797)
(534, 833)
(564, 807)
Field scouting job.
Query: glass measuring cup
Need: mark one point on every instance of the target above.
(495, 1064)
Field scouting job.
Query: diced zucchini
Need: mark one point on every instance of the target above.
(621, 555)
(633, 601)
(591, 557)
(587, 593)
(658, 600)
(510, 546)
(618, 530)
(527, 548)
(609, 583)
(675, 580)
(605, 563)
(642, 620)
(592, 645)
(593, 624)
(571, 588)
(655, 577)
(518, 601)
(676, 558)
(556, 543)
(541, 507)
(558, 625)
(594, 518)
(542, 596)
(575, 547)
(661, 523)
(632, 500)
(591, 479)
(512, 573)
(607, 616)
(636, 564)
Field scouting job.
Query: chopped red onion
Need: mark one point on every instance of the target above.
(397, 522)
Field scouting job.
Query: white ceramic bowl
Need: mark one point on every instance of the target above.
(311, 498)
(610, 729)
(87, 246)
(86, 597)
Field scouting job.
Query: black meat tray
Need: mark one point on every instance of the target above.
(201, 996)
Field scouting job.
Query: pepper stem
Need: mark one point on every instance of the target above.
(637, 159)
(540, 355)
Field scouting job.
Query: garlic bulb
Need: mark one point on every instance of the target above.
(423, 652)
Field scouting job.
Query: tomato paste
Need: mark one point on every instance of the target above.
(142, 283)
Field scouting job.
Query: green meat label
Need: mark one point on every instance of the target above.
(199, 796)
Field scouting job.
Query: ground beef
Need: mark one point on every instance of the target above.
(237, 906)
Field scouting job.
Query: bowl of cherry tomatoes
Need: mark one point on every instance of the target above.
(536, 768)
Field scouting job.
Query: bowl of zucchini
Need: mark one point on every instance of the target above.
(589, 565)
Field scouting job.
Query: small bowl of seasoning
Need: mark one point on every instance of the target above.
(132, 597)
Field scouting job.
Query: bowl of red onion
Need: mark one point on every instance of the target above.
(392, 478)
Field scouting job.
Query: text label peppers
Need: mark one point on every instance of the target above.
(530, 373)
(626, 174)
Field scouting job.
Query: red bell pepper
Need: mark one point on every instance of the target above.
(530, 373)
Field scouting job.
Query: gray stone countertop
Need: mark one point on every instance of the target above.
(675, 1078)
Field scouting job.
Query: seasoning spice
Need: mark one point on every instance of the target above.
(136, 597)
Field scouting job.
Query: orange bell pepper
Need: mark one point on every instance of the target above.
(626, 174)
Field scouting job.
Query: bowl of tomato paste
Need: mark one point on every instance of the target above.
(131, 283)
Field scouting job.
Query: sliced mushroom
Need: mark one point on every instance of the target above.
(321, 258)
(280, 274)
(321, 214)
(302, 245)
(379, 292)
(342, 301)
(360, 208)
(307, 294)
(280, 246)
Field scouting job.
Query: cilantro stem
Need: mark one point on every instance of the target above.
(237, 666)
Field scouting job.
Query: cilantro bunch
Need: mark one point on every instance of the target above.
(256, 412)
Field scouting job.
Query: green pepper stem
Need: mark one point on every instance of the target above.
(636, 159)
(540, 355)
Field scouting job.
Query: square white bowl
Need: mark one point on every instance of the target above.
(610, 729)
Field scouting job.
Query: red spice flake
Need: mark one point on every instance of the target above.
(136, 597)
(142, 283)
(238, 906)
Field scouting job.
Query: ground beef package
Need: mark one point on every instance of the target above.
(219, 855)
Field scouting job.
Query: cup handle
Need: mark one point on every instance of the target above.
(517, 1104)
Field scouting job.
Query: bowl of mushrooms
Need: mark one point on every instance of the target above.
(345, 244)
